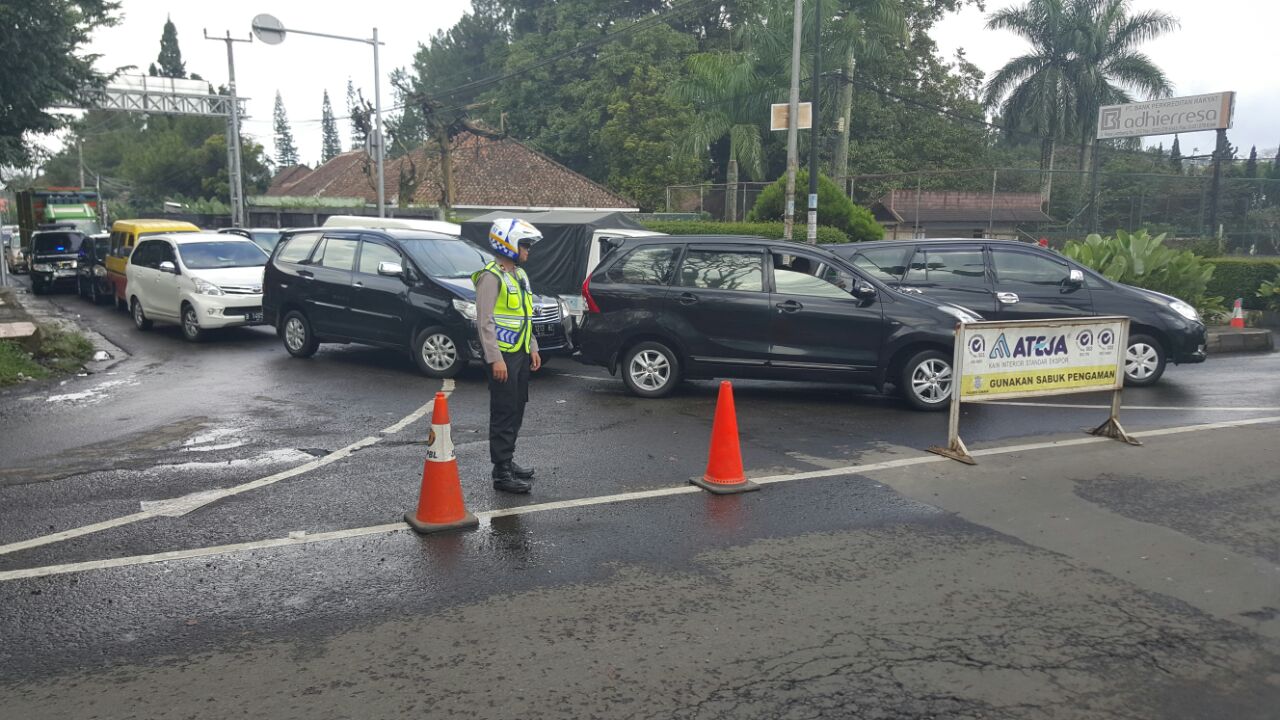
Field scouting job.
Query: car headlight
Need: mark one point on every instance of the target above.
(466, 308)
(960, 314)
(204, 287)
(42, 267)
(99, 271)
(1184, 310)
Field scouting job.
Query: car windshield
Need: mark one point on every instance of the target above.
(57, 243)
(447, 258)
(265, 239)
(102, 247)
(221, 254)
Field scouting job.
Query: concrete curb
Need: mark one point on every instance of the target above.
(1229, 340)
(43, 310)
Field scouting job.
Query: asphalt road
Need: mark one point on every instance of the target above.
(1064, 576)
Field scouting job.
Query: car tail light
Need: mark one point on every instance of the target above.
(586, 295)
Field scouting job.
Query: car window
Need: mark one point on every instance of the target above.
(800, 275)
(948, 266)
(59, 243)
(337, 253)
(372, 253)
(454, 259)
(1013, 267)
(163, 253)
(884, 263)
(143, 254)
(298, 248)
(645, 266)
(723, 270)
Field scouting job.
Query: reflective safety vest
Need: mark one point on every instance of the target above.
(513, 312)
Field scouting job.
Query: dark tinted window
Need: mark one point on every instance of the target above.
(645, 266)
(1024, 268)
(884, 263)
(948, 266)
(372, 253)
(146, 254)
(221, 254)
(101, 246)
(447, 258)
(57, 242)
(298, 248)
(723, 270)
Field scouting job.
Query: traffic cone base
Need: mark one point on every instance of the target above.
(440, 503)
(723, 488)
(724, 474)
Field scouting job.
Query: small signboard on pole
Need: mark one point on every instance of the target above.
(1037, 358)
(1166, 117)
(779, 112)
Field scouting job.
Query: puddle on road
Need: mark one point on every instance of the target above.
(219, 438)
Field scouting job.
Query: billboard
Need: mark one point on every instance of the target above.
(779, 112)
(1166, 117)
(1004, 360)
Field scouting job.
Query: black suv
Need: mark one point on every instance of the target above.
(54, 255)
(91, 270)
(1007, 280)
(665, 308)
(393, 288)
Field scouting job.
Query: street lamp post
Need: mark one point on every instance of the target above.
(271, 31)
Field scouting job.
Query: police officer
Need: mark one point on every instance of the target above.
(504, 318)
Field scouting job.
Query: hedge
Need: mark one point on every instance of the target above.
(1235, 277)
(772, 230)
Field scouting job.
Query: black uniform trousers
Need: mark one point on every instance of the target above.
(506, 406)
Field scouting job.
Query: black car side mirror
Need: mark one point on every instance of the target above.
(864, 290)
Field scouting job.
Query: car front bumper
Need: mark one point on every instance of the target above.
(219, 311)
(1188, 344)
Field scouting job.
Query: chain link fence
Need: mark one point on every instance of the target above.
(1011, 203)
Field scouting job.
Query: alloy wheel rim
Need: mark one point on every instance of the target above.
(439, 352)
(138, 316)
(931, 381)
(650, 370)
(294, 334)
(1141, 361)
(189, 324)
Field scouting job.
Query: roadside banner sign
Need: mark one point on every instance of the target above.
(1037, 358)
(779, 112)
(1166, 117)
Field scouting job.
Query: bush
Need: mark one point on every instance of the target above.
(1269, 291)
(772, 230)
(1141, 260)
(1242, 278)
(63, 351)
(834, 208)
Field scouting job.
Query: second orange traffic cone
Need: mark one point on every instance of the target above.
(1237, 314)
(724, 474)
(440, 505)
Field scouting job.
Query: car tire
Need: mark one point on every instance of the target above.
(439, 353)
(295, 331)
(650, 370)
(37, 287)
(80, 286)
(1144, 361)
(140, 320)
(191, 330)
(927, 380)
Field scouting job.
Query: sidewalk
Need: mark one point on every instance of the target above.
(1225, 339)
(19, 309)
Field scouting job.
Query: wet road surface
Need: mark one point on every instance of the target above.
(1094, 580)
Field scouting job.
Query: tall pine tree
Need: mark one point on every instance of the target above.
(1175, 156)
(1251, 167)
(331, 146)
(169, 63)
(286, 150)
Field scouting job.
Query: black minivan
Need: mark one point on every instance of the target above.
(54, 256)
(663, 308)
(392, 288)
(1008, 280)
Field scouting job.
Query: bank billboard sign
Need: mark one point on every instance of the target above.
(1166, 117)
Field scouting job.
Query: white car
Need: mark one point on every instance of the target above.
(201, 281)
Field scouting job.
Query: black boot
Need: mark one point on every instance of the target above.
(521, 473)
(505, 481)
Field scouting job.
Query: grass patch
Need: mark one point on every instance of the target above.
(60, 352)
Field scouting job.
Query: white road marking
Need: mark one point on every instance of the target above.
(175, 507)
(1184, 408)
(295, 538)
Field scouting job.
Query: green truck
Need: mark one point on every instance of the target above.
(67, 207)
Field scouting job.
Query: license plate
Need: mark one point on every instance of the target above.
(65, 273)
(253, 317)
(541, 330)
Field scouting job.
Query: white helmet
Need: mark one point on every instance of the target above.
(506, 235)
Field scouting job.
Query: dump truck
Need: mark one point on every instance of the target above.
(67, 208)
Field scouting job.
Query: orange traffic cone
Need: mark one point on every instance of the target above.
(440, 505)
(1237, 315)
(724, 466)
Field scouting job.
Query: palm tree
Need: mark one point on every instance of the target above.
(865, 30)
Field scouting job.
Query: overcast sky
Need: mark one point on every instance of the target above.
(1223, 45)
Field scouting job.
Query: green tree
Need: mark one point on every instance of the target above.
(44, 66)
(835, 209)
(359, 135)
(286, 150)
(170, 59)
(331, 145)
(1251, 167)
(870, 28)
(1175, 156)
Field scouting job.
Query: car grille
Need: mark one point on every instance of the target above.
(547, 313)
(241, 311)
(241, 289)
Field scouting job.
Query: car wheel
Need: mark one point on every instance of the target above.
(651, 370)
(1144, 361)
(297, 335)
(191, 324)
(927, 380)
(80, 286)
(139, 317)
(37, 287)
(438, 353)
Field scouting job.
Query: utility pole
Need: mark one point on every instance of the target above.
(235, 177)
(813, 131)
(793, 120)
(80, 152)
(377, 109)
(1214, 194)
